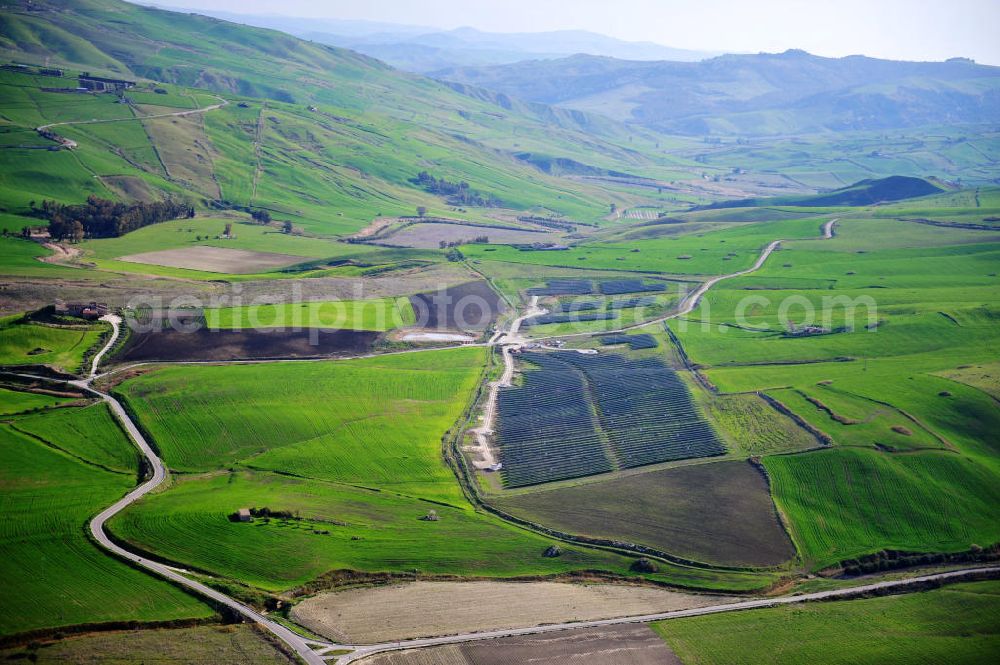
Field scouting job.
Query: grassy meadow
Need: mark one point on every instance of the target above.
(373, 422)
(955, 624)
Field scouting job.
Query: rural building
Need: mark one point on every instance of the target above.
(91, 310)
(243, 515)
(101, 84)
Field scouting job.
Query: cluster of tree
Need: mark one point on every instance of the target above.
(478, 240)
(456, 193)
(894, 560)
(260, 216)
(100, 218)
(279, 514)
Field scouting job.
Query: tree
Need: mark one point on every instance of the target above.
(286, 227)
(261, 216)
(443, 244)
(76, 231)
(614, 208)
(421, 211)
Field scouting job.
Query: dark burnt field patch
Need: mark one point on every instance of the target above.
(249, 344)
(719, 513)
(469, 306)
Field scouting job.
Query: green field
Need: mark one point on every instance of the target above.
(381, 314)
(55, 576)
(15, 401)
(32, 344)
(843, 503)
(372, 422)
(714, 252)
(97, 438)
(955, 624)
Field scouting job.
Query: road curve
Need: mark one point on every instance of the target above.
(300, 645)
(363, 651)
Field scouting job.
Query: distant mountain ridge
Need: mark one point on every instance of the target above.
(423, 49)
(761, 94)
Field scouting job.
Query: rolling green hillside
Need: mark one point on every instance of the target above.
(323, 136)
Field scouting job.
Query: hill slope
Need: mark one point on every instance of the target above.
(755, 94)
(861, 193)
(325, 135)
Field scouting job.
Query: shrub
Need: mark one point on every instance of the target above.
(645, 565)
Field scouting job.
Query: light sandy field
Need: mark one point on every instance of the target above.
(215, 259)
(426, 609)
(429, 235)
(614, 645)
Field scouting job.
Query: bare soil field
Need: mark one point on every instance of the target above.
(202, 644)
(215, 259)
(614, 645)
(428, 609)
(470, 306)
(719, 513)
(249, 344)
(429, 235)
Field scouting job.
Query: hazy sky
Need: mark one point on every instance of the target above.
(899, 29)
